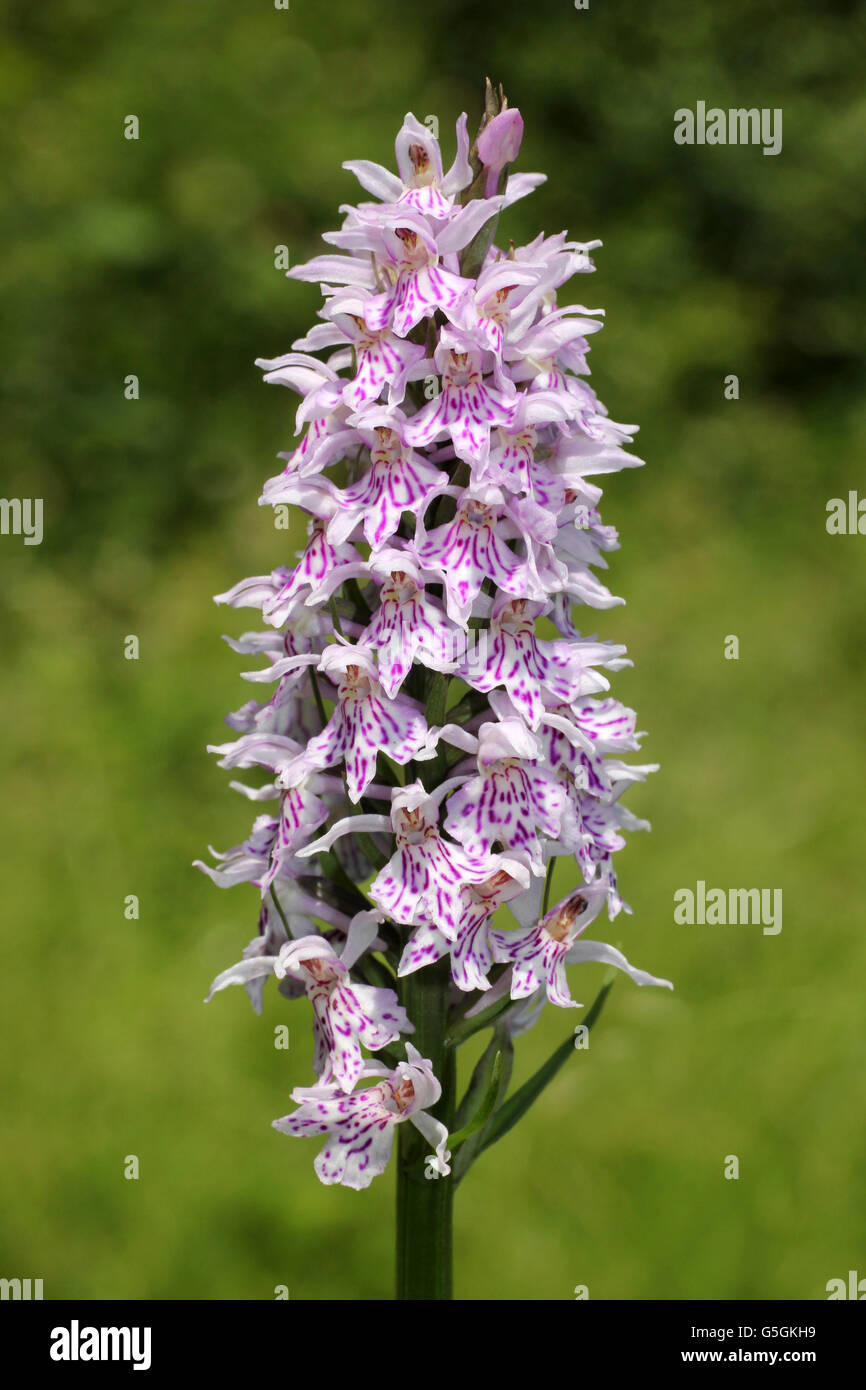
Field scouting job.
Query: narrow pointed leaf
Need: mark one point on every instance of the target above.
(485, 1109)
(470, 1026)
(517, 1105)
(436, 697)
(476, 1092)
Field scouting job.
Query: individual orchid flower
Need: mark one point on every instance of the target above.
(275, 840)
(466, 408)
(408, 626)
(365, 722)
(293, 901)
(394, 480)
(380, 357)
(422, 880)
(259, 591)
(410, 258)
(397, 481)
(289, 708)
(472, 548)
(471, 947)
(247, 862)
(533, 672)
(539, 954)
(567, 582)
(421, 183)
(360, 1127)
(346, 1015)
(516, 459)
(322, 410)
(593, 830)
(316, 562)
(424, 877)
(512, 800)
(485, 313)
(281, 601)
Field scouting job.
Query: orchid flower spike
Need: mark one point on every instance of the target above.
(437, 741)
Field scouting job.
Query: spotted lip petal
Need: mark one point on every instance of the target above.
(470, 549)
(467, 408)
(397, 481)
(510, 803)
(408, 627)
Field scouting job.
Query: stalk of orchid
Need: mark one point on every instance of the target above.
(440, 732)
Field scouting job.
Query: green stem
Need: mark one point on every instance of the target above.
(424, 1205)
(320, 705)
(548, 884)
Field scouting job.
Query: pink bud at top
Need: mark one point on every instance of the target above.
(498, 145)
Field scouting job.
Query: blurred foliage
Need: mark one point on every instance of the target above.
(156, 257)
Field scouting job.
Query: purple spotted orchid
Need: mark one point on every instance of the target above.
(440, 740)
(359, 1128)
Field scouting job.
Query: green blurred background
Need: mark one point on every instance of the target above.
(155, 257)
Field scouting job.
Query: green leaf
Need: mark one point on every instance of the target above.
(477, 1084)
(320, 705)
(485, 1107)
(470, 1026)
(389, 1058)
(374, 855)
(474, 255)
(517, 1105)
(335, 615)
(436, 697)
(362, 608)
(473, 702)
(477, 1095)
(376, 970)
(333, 870)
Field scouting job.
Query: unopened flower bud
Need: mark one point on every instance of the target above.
(498, 145)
